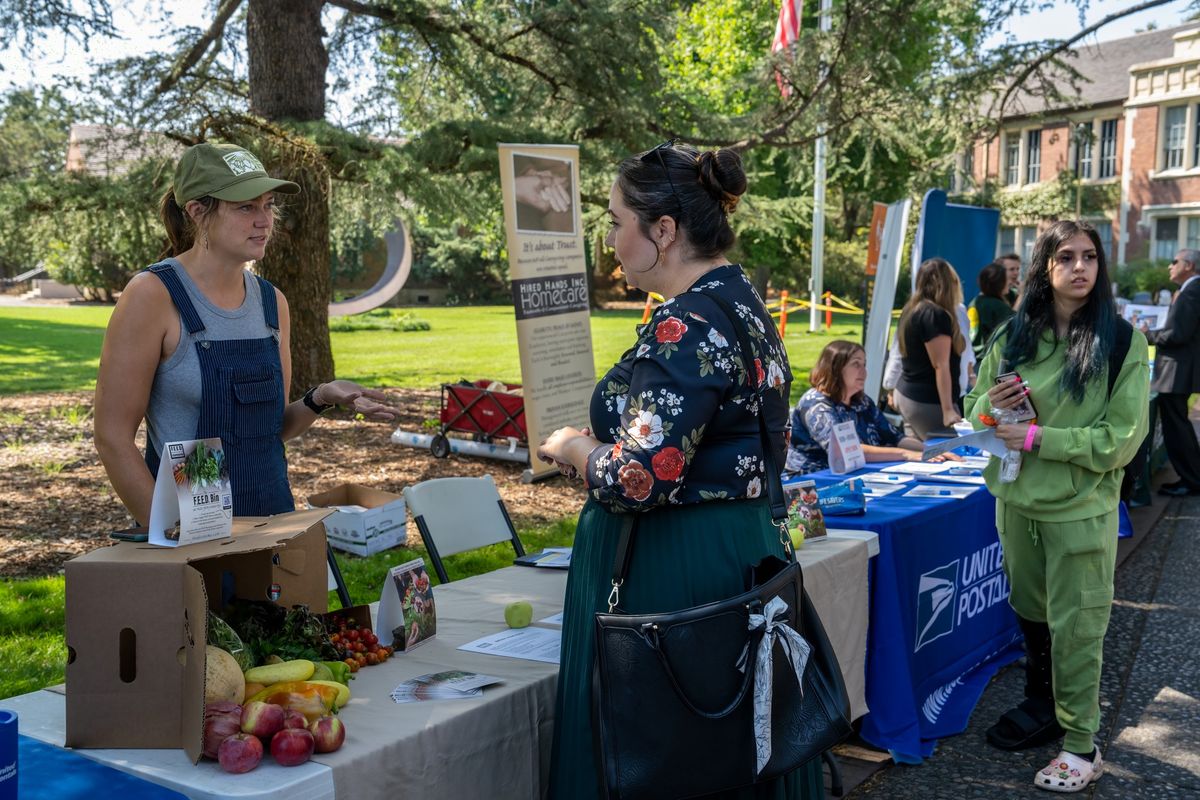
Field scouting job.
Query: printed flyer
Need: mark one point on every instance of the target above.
(406, 609)
(192, 500)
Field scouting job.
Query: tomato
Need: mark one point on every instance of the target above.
(361, 658)
(370, 638)
(372, 659)
(390, 650)
(335, 638)
(352, 636)
(352, 664)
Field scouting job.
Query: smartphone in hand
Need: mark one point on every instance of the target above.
(1024, 410)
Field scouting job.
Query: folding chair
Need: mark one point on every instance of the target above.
(459, 514)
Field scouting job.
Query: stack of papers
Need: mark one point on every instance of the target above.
(956, 492)
(553, 557)
(449, 685)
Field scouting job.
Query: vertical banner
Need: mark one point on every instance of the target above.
(887, 271)
(544, 232)
(878, 218)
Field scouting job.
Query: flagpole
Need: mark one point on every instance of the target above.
(816, 279)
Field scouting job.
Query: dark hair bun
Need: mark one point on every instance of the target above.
(722, 176)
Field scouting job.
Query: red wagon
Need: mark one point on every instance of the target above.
(485, 413)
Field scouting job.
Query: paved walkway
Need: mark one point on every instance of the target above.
(1149, 694)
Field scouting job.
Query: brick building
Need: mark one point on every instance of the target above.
(1132, 136)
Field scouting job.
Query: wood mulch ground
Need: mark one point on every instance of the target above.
(56, 502)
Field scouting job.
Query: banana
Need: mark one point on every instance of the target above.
(299, 670)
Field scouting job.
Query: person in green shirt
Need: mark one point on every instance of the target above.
(989, 309)
(1058, 520)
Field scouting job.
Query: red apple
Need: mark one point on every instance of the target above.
(292, 746)
(294, 719)
(329, 733)
(240, 753)
(262, 719)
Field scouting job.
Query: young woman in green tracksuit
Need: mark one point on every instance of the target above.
(1058, 519)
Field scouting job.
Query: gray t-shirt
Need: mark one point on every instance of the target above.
(174, 408)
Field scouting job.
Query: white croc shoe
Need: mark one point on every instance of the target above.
(1068, 772)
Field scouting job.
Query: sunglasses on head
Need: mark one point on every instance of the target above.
(657, 151)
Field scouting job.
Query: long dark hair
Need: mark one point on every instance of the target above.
(1092, 328)
(698, 190)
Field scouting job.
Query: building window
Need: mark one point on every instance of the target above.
(1105, 231)
(968, 167)
(1019, 241)
(1033, 156)
(1193, 234)
(1083, 153)
(1166, 238)
(1108, 149)
(1008, 239)
(1012, 159)
(1174, 136)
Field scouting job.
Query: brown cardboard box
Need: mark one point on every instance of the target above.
(136, 624)
(383, 525)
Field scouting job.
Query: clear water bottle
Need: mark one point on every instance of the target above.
(1010, 462)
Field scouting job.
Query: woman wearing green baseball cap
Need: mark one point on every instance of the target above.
(198, 346)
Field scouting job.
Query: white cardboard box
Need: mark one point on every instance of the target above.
(382, 525)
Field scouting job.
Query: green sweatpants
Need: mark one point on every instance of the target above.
(1061, 573)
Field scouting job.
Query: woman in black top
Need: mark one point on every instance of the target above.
(989, 308)
(930, 346)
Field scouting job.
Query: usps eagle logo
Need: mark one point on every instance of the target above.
(935, 603)
(240, 162)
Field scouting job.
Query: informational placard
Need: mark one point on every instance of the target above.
(546, 264)
(1150, 317)
(845, 450)
(407, 616)
(192, 501)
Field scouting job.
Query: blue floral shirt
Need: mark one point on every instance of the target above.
(677, 422)
(813, 419)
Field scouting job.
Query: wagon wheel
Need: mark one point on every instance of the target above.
(439, 446)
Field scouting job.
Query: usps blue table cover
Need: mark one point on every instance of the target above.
(940, 624)
(46, 772)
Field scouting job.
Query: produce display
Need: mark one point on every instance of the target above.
(357, 645)
(286, 711)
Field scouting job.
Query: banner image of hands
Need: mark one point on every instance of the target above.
(544, 193)
(549, 288)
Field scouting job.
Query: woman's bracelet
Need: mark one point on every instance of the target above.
(1030, 435)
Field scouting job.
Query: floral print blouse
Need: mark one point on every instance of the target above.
(812, 428)
(677, 422)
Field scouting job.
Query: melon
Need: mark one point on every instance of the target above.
(223, 679)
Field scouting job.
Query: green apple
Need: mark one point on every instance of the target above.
(518, 614)
(797, 535)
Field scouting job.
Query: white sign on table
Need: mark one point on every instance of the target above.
(192, 501)
(845, 450)
(531, 644)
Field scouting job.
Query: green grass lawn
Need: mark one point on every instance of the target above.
(58, 349)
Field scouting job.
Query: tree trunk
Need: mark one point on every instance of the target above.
(287, 64)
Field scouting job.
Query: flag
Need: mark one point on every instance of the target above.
(787, 31)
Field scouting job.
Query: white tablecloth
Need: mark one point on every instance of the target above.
(496, 746)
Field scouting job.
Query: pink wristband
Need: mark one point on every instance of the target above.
(1029, 437)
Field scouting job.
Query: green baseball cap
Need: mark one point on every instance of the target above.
(226, 172)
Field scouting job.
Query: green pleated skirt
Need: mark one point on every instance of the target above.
(683, 556)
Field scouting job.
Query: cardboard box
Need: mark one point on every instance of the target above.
(137, 622)
(382, 526)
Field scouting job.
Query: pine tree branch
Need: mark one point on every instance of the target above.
(196, 52)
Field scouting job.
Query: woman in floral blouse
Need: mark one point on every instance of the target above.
(837, 396)
(674, 437)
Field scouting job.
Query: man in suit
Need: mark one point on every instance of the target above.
(1177, 373)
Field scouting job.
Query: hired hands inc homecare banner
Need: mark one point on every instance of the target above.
(540, 184)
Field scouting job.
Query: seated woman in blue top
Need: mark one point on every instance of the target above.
(837, 396)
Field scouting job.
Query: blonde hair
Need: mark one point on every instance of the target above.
(937, 284)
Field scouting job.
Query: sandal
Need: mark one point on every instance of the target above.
(1031, 724)
(1068, 772)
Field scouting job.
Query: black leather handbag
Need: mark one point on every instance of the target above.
(708, 699)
